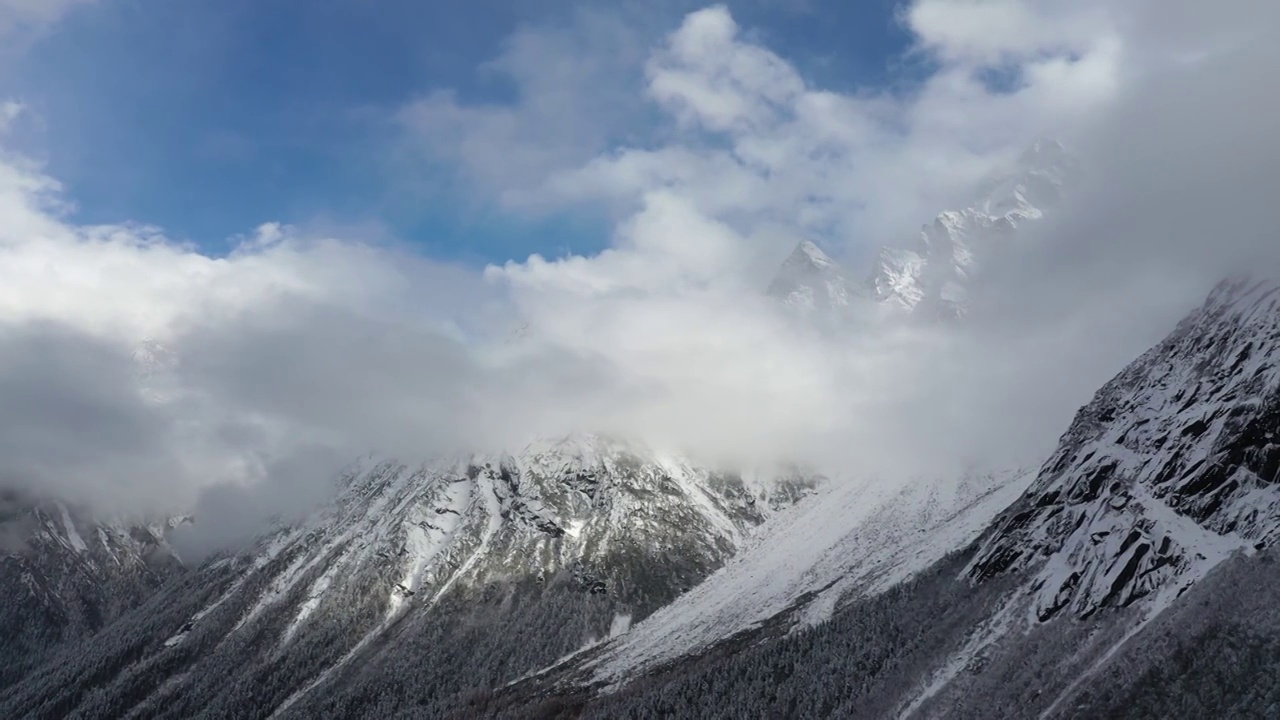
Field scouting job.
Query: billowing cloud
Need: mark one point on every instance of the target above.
(140, 372)
(574, 93)
(997, 32)
(752, 144)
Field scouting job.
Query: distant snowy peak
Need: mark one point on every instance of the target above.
(1034, 183)
(895, 279)
(934, 277)
(155, 369)
(1172, 467)
(810, 282)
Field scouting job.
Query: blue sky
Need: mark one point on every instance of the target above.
(209, 117)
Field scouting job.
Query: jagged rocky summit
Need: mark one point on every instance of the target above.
(811, 282)
(933, 278)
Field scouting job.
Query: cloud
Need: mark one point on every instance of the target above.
(754, 158)
(1179, 166)
(573, 94)
(707, 78)
(141, 373)
(10, 111)
(69, 416)
(995, 32)
(754, 146)
(80, 304)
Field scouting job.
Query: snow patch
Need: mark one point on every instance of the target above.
(621, 625)
(73, 537)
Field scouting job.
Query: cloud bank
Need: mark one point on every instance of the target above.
(140, 375)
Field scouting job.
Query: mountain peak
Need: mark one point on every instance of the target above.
(809, 252)
(809, 280)
(935, 275)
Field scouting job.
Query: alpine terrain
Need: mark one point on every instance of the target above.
(1132, 575)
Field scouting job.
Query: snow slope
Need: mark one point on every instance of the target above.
(66, 575)
(852, 538)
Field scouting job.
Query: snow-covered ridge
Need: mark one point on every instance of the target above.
(614, 519)
(1171, 468)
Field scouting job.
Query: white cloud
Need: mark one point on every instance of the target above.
(752, 147)
(707, 78)
(755, 158)
(76, 303)
(992, 32)
(573, 92)
(10, 111)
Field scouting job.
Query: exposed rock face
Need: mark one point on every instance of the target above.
(1172, 467)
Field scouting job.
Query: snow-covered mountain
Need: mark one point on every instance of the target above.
(854, 537)
(933, 278)
(589, 577)
(934, 600)
(809, 282)
(602, 530)
(66, 575)
(1171, 469)
(1133, 575)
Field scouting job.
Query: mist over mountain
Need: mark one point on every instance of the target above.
(794, 390)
